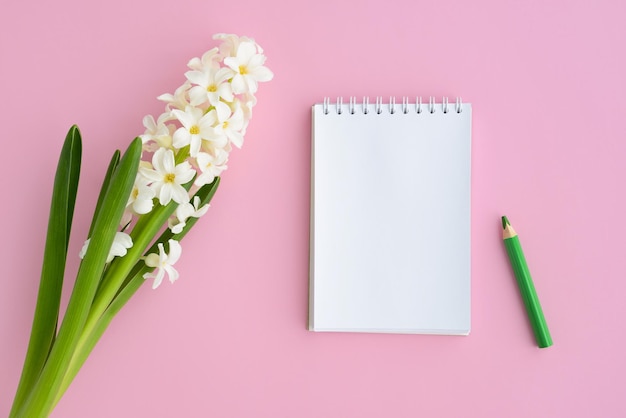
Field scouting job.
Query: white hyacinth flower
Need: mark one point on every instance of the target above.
(210, 85)
(121, 243)
(140, 199)
(211, 165)
(168, 178)
(156, 131)
(229, 127)
(179, 99)
(184, 212)
(163, 263)
(247, 68)
(210, 59)
(196, 127)
(230, 43)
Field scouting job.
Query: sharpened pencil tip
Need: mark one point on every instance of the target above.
(505, 222)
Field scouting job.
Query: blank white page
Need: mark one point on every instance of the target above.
(390, 218)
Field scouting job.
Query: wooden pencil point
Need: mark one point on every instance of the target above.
(507, 229)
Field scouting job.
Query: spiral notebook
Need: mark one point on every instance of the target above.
(390, 216)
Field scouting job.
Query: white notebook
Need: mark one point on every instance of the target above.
(390, 217)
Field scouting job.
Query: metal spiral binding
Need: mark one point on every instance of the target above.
(379, 105)
(431, 105)
(405, 107)
(326, 105)
(459, 105)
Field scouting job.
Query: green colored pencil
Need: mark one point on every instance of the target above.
(526, 286)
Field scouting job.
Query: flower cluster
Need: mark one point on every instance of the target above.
(151, 196)
(188, 145)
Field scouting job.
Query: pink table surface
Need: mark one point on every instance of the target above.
(229, 339)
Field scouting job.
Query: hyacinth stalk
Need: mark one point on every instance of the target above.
(151, 196)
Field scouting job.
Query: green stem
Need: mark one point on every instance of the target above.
(92, 334)
(142, 234)
(41, 399)
(90, 337)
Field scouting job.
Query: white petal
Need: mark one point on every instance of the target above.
(149, 123)
(150, 174)
(162, 254)
(178, 228)
(233, 63)
(184, 211)
(236, 138)
(204, 159)
(197, 95)
(168, 160)
(252, 84)
(123, 239)
(195, 63)
(263, 74)
(158, 278)
(256, 60)
(205, 178)
(83, 250)
(143, 206)
(165, 194)
(226, 92)
(238, 84)
(145, 193)
(178, 193)
(184, 118)
(194, 145)
(172, 273)
(245, 52)
(152, 260)
(207, 131)
(200, 212)
(181, 138)
(223, 111)
(184, 172)
(222, 75)
(157, 160)
(237, 119)
(197, 77)
(115, 251)
(175, 251)
(208, 120)
(167, 97)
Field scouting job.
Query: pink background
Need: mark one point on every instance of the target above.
(229, 339)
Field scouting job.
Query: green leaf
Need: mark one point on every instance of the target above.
(42, 397)
(135, 279)
(115, 160)
(51, 282)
